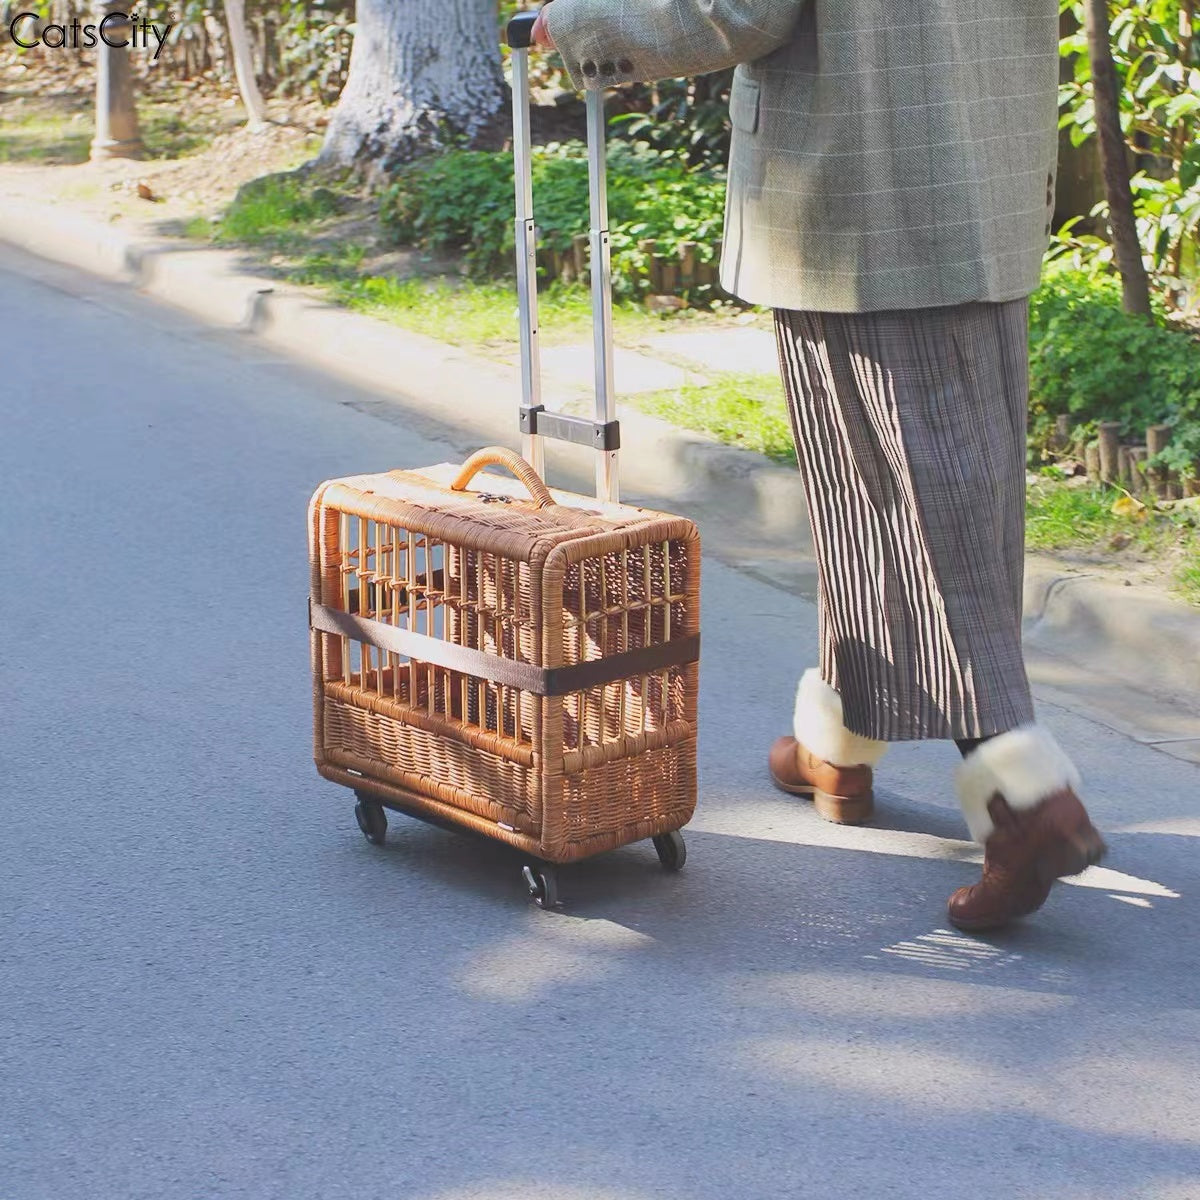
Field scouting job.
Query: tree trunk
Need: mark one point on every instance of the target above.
(1126, 247)
(419, 72)
(243, 64)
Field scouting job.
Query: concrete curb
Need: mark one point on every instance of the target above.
(1145, 637)
(752, 512)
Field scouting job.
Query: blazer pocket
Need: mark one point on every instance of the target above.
(743, 105)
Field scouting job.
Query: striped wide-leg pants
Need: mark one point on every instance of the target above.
(910, 433)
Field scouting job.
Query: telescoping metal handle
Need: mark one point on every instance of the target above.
(603, 433)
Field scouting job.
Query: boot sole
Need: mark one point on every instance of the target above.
(986, 926)
(839, 810)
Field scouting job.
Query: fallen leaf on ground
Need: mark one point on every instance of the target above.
(1127, 506)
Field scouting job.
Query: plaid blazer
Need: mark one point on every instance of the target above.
(887, 154)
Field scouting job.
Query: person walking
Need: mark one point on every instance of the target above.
(891, 188)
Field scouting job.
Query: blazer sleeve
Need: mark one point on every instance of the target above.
(609, 42)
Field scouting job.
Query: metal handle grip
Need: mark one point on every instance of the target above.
(519, 33)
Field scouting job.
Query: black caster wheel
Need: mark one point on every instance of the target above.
(542, 884)
(672, 850)
(371, 818)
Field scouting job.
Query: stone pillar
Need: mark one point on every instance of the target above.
(117, 133)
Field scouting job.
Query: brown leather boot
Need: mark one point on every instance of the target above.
(840, 794)
(1020, 800)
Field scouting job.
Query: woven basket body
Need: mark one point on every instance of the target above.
(559, 773)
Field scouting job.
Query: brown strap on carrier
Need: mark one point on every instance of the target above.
(541, 681)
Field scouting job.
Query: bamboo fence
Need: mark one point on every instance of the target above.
(1107, 459)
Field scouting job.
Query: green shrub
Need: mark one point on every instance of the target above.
(689, 117)
(451, 201)
(1182, 454)
(463, 200)
(1094, 362)
(1154, 46)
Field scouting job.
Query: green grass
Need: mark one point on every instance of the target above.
(1057, 516)
(336, 268)
(472, 314)
(42, 131)
(277, 210)
(1060, 517)
(463, 312)
(1187, 580)
(200, 228)
(168, 133)
(741, 410)
(467, 315)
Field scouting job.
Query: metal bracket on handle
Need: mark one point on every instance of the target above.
(600, 435)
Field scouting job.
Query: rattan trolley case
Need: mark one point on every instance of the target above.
(522, 666)
(499, 656)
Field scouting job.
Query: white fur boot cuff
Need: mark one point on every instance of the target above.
(818, 725)
(1024, 766)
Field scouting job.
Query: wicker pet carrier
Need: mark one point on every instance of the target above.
(489, 653)
(520, 666)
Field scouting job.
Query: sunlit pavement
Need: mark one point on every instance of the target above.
(212, 986)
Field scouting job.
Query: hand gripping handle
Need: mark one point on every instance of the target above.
(501, 457)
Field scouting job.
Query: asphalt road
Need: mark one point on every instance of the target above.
(211, 986)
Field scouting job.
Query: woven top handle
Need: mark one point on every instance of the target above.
(499, 456)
